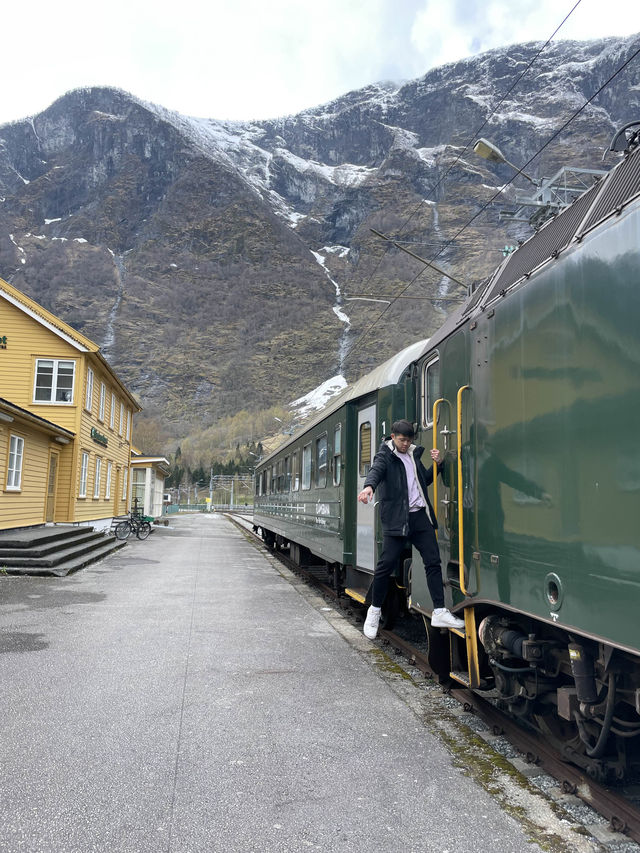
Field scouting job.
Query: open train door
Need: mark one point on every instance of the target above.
(365, 518)
(460, 569)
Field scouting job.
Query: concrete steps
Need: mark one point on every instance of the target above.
(53, 550)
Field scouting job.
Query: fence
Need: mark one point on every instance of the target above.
(173, 509)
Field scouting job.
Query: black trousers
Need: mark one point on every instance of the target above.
(423, 536)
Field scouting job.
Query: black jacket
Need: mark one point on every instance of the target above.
(388, 478)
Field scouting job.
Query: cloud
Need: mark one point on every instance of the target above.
(258, 59)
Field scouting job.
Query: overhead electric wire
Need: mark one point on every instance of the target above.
(493, 198)
(539, 151)
(496, 107)
(475, 135)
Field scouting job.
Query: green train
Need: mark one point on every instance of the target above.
(532, 389)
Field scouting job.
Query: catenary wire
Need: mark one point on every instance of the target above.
(475, 135)
(445, 245)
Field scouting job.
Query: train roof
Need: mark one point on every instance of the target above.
(606, 198)
(388, 373)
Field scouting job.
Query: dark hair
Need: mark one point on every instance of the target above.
(402, 428)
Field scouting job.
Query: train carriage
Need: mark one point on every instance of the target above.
(532, 390)
(305, 493)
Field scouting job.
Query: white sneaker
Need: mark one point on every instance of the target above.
(372, 621)
(443, 618)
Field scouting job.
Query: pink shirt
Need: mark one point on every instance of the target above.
(416, 501)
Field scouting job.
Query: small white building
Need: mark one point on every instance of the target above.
(148, 474)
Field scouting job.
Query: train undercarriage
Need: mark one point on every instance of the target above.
(581, 694)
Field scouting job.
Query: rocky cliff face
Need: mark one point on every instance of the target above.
(213, 261)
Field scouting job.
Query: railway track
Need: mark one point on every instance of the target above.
(621, 811)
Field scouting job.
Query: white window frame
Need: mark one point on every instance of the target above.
(139, 484)
(98, 477)
(121, 421)
(125, 472)
(84, 471)
(128, 424)
(88, 396)
(14, 467)
(112, 413)
(54, 382)
(306, 467)
(107, 486)
(103, 394)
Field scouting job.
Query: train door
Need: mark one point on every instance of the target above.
(453, 434)
(365, 518)
(438, 425)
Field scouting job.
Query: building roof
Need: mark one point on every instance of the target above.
(61, 329)
(36, 420)
(157, 461)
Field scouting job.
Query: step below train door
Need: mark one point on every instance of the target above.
(365, 531)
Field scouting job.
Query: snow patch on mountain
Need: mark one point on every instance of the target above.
(319, 397)
(343, 175)
(340, 251)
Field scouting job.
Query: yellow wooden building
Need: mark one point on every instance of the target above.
(65, 422)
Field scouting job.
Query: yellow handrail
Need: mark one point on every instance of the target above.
(460, 492)
(435, 464)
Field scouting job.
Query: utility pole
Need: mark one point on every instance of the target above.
(211, 490)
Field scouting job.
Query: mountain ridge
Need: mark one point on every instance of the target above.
(216, 262)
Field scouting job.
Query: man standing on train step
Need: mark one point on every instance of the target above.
(405, 512)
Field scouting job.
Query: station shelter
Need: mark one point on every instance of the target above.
(148, 474)
(65, 422)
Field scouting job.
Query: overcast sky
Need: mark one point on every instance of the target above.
(243, 59)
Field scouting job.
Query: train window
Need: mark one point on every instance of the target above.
(274, 479)
(430, 390)
(306, 467)
(364, 454)
(295, 471)
(287, 473)
(337, 455)
(321, 461)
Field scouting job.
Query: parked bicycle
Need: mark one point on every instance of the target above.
(133, 524)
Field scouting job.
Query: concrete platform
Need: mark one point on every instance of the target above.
(187, 695)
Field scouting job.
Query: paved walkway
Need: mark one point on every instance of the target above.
(185, 695)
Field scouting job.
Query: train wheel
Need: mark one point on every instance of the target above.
(438, 653)
(269, 539)
(391, 608)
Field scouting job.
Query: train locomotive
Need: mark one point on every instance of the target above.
(531, 388)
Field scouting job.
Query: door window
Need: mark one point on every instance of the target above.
(364, 450)
(321, 461)
(430, 389)
(337, 455)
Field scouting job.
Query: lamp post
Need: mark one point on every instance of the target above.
(488, 151)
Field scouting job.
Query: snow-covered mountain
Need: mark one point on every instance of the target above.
(224, 265)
